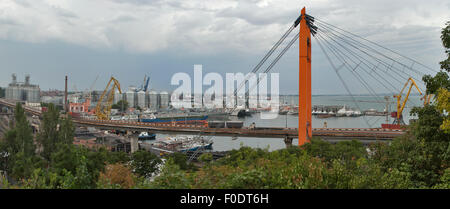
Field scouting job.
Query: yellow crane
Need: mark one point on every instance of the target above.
(103, 110)
(401, 104)
(426, 99)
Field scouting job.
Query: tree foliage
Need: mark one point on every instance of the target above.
(121, 105)
(2, 92)
(117, 176)
(17, 148)
(445, 37)
(144, 163)
(291, 168)
(54, 131)
(443, 105)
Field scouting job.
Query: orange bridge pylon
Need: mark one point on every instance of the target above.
(304, 84)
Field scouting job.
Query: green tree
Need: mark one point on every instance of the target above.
(122, 105)
(144, 163)
(78, 160)
(443, 105)
(433, 84)
(445, 37)
(2, 92)
(55, 131)
(49, 136)
(66, 131)
(344, 150)
(17, 148)
(116, 157)
(24, 133)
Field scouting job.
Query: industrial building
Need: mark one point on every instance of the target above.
(23, 91)
(145, 100)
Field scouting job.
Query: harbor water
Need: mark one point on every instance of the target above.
(363, 103)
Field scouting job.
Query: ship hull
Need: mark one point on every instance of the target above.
(208, 147)
(183, 120)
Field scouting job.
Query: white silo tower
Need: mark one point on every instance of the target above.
(153, 100)
(131, 96)
(117, 97)
(142, 100)
(164, 99)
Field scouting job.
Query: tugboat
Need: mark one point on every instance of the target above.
(146, 136)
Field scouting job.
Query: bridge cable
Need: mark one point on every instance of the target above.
(268, 54)
(414, 61)
(359, 57)
(275, 61)
(340, 55)
(375, 58)
(353, 71)
(337, 73)
(354, 54)
(388, 66)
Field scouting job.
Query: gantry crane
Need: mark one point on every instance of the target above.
(401, 104)
(103, 110)
(426, 99)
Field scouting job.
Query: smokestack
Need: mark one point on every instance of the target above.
(65, 97)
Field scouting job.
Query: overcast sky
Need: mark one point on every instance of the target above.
(130, 38)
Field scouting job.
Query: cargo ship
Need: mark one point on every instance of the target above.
(174, 118)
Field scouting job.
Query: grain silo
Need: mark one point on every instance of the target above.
(33, 95)
(131, 97)
(142, 100)
(17, 93)
(23, 91)
(164, 99)
(117, 97)
(8, 93)
(153, 100)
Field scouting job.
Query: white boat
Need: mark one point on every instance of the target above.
(116, 117)
(341, 112)
(357, 113)
(349, 113)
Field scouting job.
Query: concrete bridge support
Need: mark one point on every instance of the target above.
(134, 144)
(288, 141)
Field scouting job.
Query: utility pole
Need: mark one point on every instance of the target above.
(66, 107)
(286, 120)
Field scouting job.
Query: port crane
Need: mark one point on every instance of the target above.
(103, 109)
(401, 104)
(88, 92)
(144, 85)
(426, 99)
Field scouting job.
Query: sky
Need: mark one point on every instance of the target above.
(129, 39)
